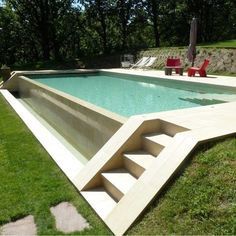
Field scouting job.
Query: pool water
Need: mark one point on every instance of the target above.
(131, 95)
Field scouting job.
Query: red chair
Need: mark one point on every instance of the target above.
(173, 63)
(200, 70)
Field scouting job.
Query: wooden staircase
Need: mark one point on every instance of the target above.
(116, 182)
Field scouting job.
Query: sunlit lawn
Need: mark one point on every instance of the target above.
(202, 201)
(31, 182)
(222, 44)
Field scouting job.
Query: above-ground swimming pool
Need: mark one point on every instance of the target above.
(61, 101)
(129, 95)
(88, 108)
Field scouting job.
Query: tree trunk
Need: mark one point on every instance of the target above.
(155, 24)
(103, 25)
(44, 29)
(45, 47)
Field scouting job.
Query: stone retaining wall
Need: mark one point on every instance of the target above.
(221, 59)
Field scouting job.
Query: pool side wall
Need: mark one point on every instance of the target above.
(85, 126)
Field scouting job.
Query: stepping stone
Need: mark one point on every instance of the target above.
(67, 218)
(24, 226)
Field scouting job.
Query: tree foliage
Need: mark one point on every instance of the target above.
(62, 29)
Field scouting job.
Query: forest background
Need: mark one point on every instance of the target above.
(60, 30)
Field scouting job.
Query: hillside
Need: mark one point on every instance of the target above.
(203, 198)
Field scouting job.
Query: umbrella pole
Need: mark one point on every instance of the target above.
(194, 56)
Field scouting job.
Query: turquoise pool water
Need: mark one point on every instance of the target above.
(129, 95)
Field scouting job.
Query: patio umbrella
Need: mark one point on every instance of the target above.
(192, 41)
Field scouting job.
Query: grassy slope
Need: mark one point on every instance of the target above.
(30, 181)
(222, 44)
(202, 200)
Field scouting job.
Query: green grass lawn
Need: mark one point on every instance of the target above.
(202, 200)
(221, 44)
(31, 182)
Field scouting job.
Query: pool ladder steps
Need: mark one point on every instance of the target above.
(117, 182)
(131, 169)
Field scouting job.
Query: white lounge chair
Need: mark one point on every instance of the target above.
(140, 63)
(150, 62)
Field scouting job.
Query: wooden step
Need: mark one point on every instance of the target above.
(100, 201)
(137, 162)
(155, 142)
(118, 182)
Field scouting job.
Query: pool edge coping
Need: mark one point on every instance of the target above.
(63, 157)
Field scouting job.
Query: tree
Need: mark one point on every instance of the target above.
(9, 36)
(41, 19)
(153, 9)
(123, 9)
(97, 12)
(57, 29)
